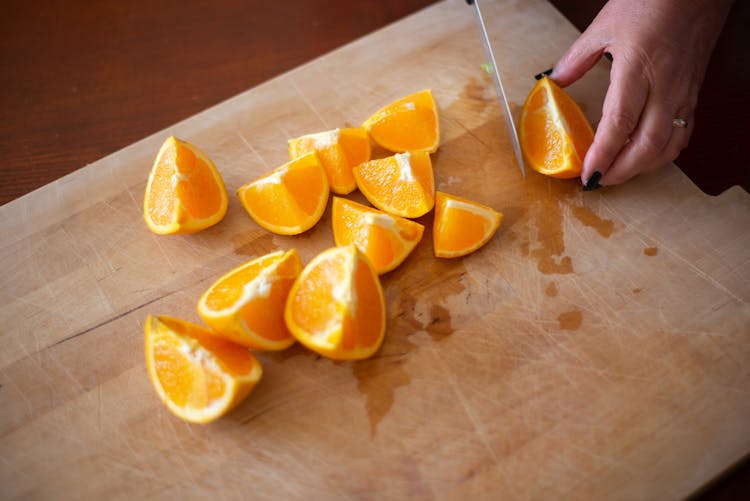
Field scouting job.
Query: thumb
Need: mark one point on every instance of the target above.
(580, 57)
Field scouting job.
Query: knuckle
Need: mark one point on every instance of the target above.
(622, 121)
(655, 144)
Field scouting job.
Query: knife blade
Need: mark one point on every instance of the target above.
(499, 89)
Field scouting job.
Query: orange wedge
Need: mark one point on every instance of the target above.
(185, 192)
(402, 184)
(553, 131)
(336, 306)
(407, 124)
(246, 305)
(339, 150)
(462, 226)
(199, 376)
(290, 199)
(385, 239)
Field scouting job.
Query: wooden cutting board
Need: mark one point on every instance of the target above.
(597, 347)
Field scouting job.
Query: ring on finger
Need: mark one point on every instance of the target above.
(680, 123)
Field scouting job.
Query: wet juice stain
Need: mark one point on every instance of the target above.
(420, 281)
(545, 197)
(253, 243)
(604, 227)
(651, 251)
(570, 320)
(378, 379)
(525, 248)
(551, 289)
(439, 325)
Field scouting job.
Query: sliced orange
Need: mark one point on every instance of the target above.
(339, 150)
(407, 124)
(385, 239)
(462, 226)
(336, 306)
(402, 184)
(290, 199)
(185, 192)
(553, 131)
(199, 376)
(246, 305)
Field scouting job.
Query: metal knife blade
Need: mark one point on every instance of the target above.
(499, 89)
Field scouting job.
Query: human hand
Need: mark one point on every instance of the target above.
(660, 50)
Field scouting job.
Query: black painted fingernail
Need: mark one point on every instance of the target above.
(539, 76)
(593, 182)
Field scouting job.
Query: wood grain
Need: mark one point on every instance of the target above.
(596, 348)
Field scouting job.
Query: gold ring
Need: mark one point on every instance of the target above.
(679, 122)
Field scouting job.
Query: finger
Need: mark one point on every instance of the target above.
(677, 142)
(681, 135)
(579, 58)
(655, 143)
(626, 97)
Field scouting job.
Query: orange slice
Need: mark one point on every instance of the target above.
(402, 184)
(199, 376)
(246, 305)
(339, 150)
(385, 239)
(336, 306)
(407, 124)
(462, 226)
(553, 131)
(290, 199)
(185, 192)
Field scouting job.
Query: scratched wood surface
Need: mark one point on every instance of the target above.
(597, 347)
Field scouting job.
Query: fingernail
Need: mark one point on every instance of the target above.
(593, 182)
(539, 76)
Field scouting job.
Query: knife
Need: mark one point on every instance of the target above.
(499, 89)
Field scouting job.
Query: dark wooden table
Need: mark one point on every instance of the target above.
(81, 80)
